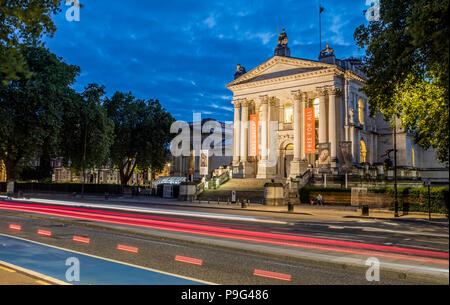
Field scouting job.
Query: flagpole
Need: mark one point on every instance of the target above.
(320, 28)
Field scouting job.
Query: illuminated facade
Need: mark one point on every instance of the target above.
(281, 90)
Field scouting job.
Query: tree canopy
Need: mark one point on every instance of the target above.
(141, 134)
(407, 68)
(23, 23)
(85, 123)
(30, 108)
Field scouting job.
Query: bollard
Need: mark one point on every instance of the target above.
(365, 210)
(244, 204)
(290, 207)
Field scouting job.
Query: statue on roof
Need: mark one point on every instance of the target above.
(327, 52)
(282, 38)
(239, 71)
(282, 49)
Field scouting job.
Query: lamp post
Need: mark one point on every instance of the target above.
(84, 157)
(395, 170)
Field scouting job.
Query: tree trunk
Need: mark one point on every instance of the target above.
(11, 169)
(126, 175)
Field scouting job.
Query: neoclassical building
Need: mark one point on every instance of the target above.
(291, 114)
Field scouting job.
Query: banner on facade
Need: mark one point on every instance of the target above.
(254, 135)
(191, 169)
(204, 162)
(310, 131)
(324, 157)
(345, 157)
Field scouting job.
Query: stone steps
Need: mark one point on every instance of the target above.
(249, 188)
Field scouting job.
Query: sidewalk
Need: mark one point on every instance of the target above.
(343, 212)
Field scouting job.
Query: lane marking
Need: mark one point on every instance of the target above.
(285, 243)
(156, 211)
(81, 239)
(189, 260)
(31, 272)
(44, 232)
(273, 275)
(127, 248)
(336, 227)
(15, 227)
(371, 229)
(106, 259)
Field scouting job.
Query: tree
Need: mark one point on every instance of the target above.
(141, 134)
(23, 22)
(30, 108)
(87, 132)
(406, 64)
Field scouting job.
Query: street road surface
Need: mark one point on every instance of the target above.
(146, 245)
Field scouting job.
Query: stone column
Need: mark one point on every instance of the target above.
(332, 126)
(237, 132)
(244, 131)
(297, 166)
(302, 125)
(272, 118)
(297, 125)
(322, 117)
(264, 126)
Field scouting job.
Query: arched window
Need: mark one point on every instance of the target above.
(413, 157)
(361, 111)
(288, 113)
(289, 147)
(316, 108)
(363, 152)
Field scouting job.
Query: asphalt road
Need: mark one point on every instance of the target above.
(235, 248)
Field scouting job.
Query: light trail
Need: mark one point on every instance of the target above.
(255, 236)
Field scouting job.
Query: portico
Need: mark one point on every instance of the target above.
(293, 114)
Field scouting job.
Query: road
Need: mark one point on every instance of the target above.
(179, 245)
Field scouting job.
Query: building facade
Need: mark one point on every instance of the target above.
(292, 114)
(217, 142)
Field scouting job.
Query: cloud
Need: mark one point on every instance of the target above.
(184, 52)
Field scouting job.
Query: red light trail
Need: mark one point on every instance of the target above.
(210, 229)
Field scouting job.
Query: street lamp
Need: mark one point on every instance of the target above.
(395, 170)
(84, 157)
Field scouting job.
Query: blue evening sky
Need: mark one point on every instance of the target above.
(184, 52)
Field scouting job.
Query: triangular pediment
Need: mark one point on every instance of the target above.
(280, 67)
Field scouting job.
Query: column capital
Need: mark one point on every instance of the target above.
(297, 95)
(263, 99)
(273, 101)
(334, 91)
(323, 91)
(245, 102)
(236, 103)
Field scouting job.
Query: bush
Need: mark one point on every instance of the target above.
(417, 199)
(305, 192)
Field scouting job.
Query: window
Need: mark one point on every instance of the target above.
(288, 113)
(363, 152)
(290, 147)
(316, 108)
(361, 111)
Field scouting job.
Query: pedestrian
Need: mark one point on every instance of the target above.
(319, 200)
